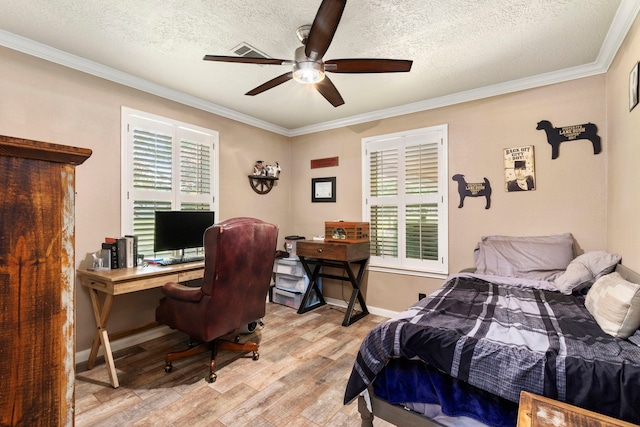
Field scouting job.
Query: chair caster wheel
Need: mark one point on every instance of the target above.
(212, 377)
(255, 356)
(168, 367)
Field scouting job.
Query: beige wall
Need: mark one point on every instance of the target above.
(44, 101)
(623, 222)
(570, 193)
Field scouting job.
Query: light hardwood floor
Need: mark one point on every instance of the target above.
(299, 379)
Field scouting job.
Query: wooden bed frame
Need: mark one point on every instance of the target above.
(395, 414)
(398, 415)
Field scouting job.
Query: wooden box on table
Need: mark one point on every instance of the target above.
(346, 232)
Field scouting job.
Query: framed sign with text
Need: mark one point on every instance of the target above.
(519, 169)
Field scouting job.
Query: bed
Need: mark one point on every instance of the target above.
(531, 317)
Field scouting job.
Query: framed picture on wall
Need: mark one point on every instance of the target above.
(323, 189)
(633, 87)
(519, 169)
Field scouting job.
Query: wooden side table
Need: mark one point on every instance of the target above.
(539, 411)
(337, 255)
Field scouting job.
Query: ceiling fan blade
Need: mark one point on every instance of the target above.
(246, 60)
(271, 84)
(324, 27)
(329, 91)
(368, 65)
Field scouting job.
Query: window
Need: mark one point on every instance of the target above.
(166, 165)
(405, 200)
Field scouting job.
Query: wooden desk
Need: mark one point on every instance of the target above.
(123, 281)
(338, 255)
(538, 411)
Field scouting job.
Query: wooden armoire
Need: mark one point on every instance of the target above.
(37, 282)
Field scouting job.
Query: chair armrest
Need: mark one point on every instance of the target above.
(183, 293)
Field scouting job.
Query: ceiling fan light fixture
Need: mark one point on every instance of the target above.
(308, 72)
(308, 67)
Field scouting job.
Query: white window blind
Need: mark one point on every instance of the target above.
(152, 160)
(195, 167)
(405, 199)
(167, 165)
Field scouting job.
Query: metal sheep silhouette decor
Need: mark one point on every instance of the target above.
(555, 136)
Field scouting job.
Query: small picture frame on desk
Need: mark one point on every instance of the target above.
(323, 189)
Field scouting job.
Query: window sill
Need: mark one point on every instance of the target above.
(407, 271)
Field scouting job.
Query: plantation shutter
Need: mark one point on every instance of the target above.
(383, 169)
(143, 223)
(404, 178)
(152, 160)
(421, 185)
(195, 167)
(169, 166)
(153, 172)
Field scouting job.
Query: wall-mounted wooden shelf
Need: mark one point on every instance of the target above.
(262, 184)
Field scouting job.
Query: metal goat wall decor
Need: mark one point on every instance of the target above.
(472, 189)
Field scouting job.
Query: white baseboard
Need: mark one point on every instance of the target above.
(373, 310)
(83, 355)
(159, 331)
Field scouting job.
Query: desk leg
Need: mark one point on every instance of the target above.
(101, 315)
(313, 285)
(355, 294)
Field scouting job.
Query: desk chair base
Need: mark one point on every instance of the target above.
(212, 346)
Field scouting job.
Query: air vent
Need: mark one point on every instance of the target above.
(248, 51)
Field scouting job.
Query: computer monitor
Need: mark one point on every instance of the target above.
(179, 230)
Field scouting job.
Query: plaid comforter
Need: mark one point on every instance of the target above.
(505, 339)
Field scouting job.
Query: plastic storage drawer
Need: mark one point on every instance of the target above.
(291, 266)
(292, 299)
(292, 283)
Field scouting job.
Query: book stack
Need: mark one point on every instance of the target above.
(123, 251)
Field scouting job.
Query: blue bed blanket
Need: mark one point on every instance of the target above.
(504, 339)
(403, 381)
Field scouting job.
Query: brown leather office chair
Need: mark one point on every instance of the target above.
(239, 256)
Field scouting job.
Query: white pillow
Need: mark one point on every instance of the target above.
(615, 304)
(585, 269)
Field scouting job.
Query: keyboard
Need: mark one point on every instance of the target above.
(183, 260)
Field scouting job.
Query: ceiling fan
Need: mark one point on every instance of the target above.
(308, 66)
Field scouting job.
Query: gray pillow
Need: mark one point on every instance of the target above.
(524, 258)
(561, 239)
(615, 304)
(553, 238)
(635, 338)
(583, 271)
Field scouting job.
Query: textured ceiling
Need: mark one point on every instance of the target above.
(457, 46)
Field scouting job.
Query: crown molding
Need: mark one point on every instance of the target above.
(458, 98)
(622, 22)
(625, 16)
(48, 53)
